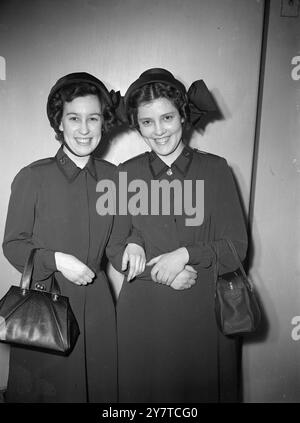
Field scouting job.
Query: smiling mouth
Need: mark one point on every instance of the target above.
(162, 141)
(83, 141)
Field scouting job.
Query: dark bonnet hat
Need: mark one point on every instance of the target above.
(151, 76)
(202, 105)
(75, 78)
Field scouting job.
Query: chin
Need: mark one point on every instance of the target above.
(166, 152)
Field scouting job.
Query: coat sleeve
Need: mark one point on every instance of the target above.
(229, 223)
(123, 232)
(18, 236)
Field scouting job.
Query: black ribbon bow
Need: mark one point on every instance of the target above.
(119, 106)
(202, 106)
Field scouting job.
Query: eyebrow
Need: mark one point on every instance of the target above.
(165, 114)
(74, 113)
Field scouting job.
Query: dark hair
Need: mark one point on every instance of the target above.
(69, 93)
(153, 91)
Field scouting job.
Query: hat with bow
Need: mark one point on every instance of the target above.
(201, 103)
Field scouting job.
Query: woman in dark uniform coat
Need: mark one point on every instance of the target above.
(53, 207)
(169, 347)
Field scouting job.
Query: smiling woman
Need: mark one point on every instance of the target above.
(161, 126)
(81, 124)
(169, 346)
(52, 208)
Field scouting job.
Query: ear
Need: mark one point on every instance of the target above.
(61, 127)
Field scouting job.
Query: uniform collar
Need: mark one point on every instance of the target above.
(182, 163)
(69, 168)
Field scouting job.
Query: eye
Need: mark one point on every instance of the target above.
(145, 122)
(168, 118)
(94, 118)
(74, 118)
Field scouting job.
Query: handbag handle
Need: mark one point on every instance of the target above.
(26, 278)
(235, 255)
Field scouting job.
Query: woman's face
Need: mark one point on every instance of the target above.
(81, 124)
(161, 126)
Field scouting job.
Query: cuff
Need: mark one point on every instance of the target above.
(134, 239)
(201, 255)
(47, 258)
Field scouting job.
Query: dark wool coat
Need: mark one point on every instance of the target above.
(53, 207)
(169, 346)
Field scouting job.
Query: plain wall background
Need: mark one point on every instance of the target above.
(215, 40)
(272, 367)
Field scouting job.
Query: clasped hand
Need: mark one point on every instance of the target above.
(73, 269)
(172, 269)
(167, 266)
(169, 269)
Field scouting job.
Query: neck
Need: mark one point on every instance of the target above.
(173, 156)
(80, 161)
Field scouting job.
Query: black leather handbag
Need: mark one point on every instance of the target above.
(36, 318)
(236, 306)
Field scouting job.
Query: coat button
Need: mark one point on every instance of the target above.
(169, 172)
(62, 160)
(40, 286)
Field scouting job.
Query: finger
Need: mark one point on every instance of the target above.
(140, 269)
(157, 276)
(137, 265)
(124, 261)
(131, 268)
(153, 261)
(164, 279)
(169, 280)
(88, 272)
(134, 266)
(190, 268)
(160, 276)
(154, 273)
(129, 275)
(142, 265)
(88, 280)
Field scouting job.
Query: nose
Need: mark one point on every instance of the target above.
(159, 128)
(83, 127)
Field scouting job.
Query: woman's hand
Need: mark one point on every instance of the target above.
(134, 254)
(168, 266)
(186, 279)
(73, 269)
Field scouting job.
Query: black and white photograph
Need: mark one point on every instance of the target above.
(150, 203)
